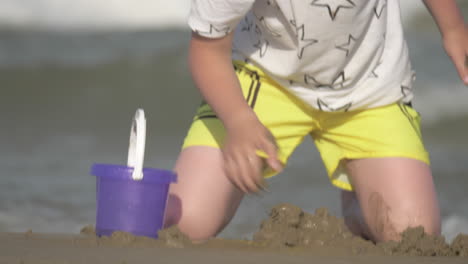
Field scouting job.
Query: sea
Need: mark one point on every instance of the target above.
(72, 74)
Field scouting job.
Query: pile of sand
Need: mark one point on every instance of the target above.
(288, 235)
(290, 228)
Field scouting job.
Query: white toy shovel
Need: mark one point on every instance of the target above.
(136, 148)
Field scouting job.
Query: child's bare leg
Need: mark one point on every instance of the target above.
(203, 201)
(393, 194)
(352, 214)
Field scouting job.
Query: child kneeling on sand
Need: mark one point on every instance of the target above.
(274, 71)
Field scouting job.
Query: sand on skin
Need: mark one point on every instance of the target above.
(288, 235)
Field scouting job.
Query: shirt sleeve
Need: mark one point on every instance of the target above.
(217, 18)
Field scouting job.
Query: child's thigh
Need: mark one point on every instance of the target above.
(394, 194)
(203, 200)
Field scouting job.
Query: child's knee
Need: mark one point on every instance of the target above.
(200, 227)
(394, 230)
(388, 223)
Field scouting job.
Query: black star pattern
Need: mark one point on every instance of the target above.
(213, 29)
(405, 90)
(262, 46)
(338, 82)
(374, 73)
(258, 31)
(379, 8)
(310, 79)
(325, 107)
(247, 24)
(346, 47)
(303, 42)
(275, 5)
(293, 19)
(334, 6)
(268, 28)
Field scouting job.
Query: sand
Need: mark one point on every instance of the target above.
(289, 235)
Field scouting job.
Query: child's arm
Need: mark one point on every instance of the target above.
(454, 32)
(212, 70)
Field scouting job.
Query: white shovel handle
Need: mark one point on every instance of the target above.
(136, 148)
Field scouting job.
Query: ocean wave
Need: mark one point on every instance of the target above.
(93, 15)
(110, 14)
(453, 225)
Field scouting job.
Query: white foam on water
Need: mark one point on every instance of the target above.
(453, 225)
(45, 221)
(441, 100)
(91, 14)
(105, 14)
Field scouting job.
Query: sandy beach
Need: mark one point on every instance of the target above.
(71, 249)
(289, 235)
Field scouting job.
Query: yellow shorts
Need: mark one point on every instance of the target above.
(388, 131)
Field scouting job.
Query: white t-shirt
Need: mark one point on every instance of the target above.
(336, 55)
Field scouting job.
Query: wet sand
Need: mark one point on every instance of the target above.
(289, 235)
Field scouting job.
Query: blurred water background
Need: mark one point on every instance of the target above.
(72, 73)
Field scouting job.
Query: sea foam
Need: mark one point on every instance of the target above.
(110, 14)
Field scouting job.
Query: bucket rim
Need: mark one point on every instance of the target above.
(122, 172)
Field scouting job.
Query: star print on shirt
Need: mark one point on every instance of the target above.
(379, 8)
(214, 29)
(292, 20)
(247, 24)
(262, 46)
(374, 73)
(333, 6)
(346, 47)
(268, 27)
(322, 106)
(405, 90)
(273, 4)
(338, 82)
(303, 42)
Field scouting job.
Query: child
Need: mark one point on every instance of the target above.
(337, 70)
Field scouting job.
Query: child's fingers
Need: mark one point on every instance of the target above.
(231, 173)
(465, 77)
(456, 47)
(255, 173)
(460, 64)
(242, 171)
(270, 152)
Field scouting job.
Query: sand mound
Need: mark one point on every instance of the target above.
(288, 227)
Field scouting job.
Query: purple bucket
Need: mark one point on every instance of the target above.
(134, 206)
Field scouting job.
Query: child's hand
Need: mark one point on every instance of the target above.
(243, 166)
(456, 46)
